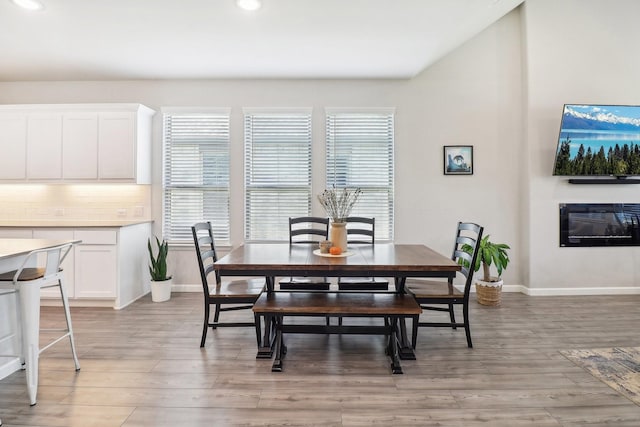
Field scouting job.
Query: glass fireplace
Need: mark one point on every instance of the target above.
(599, 224)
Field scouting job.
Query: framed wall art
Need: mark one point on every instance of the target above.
(458, 159)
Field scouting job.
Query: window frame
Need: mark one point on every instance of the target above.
(276, 229)
(222, 227)
(384, 221)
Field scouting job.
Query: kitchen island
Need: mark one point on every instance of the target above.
(107, 269)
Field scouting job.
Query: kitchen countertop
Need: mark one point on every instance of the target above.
(75, 223)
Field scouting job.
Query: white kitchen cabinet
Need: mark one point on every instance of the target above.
(13, 142)
(96, 263)
(124, 145)
(95, 271)
(116, 144)
(44, 146)
(76, 143)
(80, 149)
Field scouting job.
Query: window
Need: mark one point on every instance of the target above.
(196, 174)
(277, 171)
(359, 153)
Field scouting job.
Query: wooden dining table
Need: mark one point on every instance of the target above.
(398, 261)
(393, 260)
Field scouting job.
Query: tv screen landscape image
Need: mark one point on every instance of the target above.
(597, 140)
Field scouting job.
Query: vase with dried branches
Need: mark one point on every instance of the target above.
(338, 203)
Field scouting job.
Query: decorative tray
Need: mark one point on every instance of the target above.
(342, 255)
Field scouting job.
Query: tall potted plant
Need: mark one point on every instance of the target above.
(489, 288)
(160, 282)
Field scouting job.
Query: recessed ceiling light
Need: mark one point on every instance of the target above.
(249, 4)
(28, 4)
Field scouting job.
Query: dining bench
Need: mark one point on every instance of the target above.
(390, 306)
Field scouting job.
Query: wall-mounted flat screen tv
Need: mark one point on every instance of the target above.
(598, 140)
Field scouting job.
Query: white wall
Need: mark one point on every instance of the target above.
(577, 51)
(472, 96)
(501, 92)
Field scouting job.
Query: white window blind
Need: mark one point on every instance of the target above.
(277, 172)
(196, 174)
(359, 153)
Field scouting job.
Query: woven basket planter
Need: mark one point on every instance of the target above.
(489, 293)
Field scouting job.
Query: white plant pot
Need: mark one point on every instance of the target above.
(161, 291)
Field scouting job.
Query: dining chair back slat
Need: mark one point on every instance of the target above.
(362, 231)
(306, 230)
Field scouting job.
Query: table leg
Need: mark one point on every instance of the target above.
(280, 348)
(266, 350)
(406, 350)
(270, 281)
(396, 368)
(399, 284)
(30, 324)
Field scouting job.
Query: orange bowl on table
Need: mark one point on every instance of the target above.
(335, 250)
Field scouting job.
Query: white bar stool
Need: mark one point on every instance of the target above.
(26, 283)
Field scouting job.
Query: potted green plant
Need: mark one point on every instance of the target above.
(489, 288)
(161, 282)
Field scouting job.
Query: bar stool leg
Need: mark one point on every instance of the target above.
(67, 315)
(30, 319)
(19, 345)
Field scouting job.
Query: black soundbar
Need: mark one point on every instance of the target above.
(604, 181)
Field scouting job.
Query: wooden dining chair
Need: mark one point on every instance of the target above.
(443, 295)
(223, 295)
(306, 231)
(361, 231)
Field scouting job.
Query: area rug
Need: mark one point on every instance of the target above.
(617, 367)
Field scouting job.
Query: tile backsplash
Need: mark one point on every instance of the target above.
(75, 202)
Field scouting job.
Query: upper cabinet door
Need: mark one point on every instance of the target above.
(67, 143)
(80, 146)
(117, 146)
(44, 146)
(13, 145)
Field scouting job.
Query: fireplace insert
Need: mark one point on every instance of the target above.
(599, 224)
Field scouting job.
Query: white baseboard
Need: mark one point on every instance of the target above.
(78, 303)
(599, 290)
(596, 290)
(186, 288)
(9, 365)
(89, 302)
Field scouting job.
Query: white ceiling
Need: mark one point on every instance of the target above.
(201, 39)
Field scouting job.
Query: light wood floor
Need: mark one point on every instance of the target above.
(142, 366)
